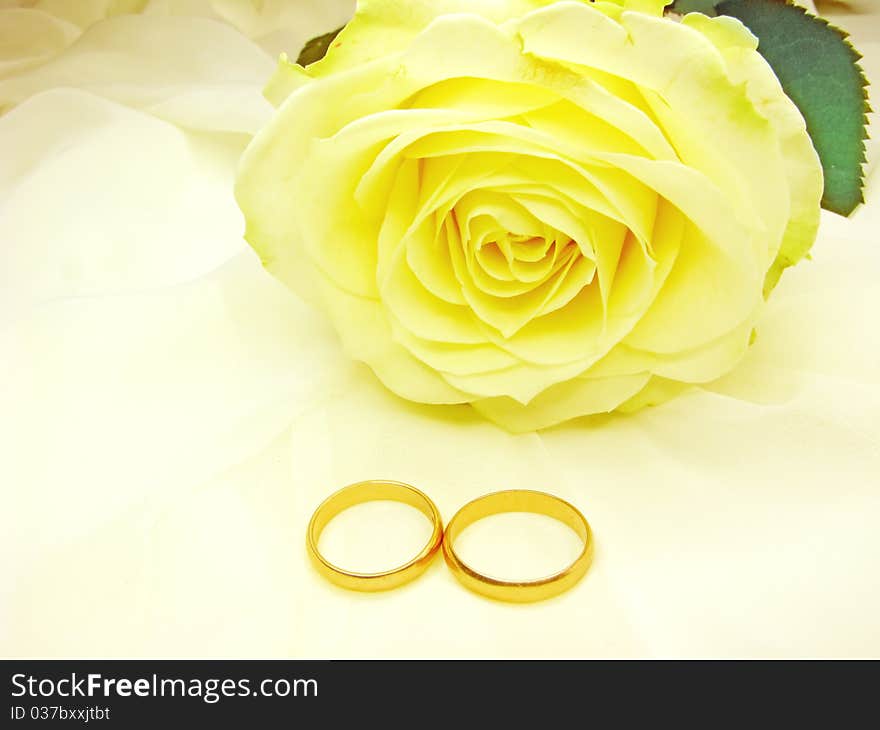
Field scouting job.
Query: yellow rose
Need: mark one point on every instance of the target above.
(543, 209)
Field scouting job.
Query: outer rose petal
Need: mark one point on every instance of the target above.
(715, 128)
(800, 158)
(576, 397)
(383, 27)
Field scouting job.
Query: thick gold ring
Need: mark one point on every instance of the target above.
(369, 492)
(518, 500)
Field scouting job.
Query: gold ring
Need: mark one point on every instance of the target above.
(368, 492)
(518, 500)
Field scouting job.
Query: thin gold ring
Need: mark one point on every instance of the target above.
(518, 500)
(369, 492)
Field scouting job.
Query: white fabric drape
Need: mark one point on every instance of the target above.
(170, 415)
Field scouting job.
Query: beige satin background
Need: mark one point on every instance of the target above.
(170, 416)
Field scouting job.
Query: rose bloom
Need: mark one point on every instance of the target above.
(544, 209)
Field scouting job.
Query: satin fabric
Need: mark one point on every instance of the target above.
(171, 415)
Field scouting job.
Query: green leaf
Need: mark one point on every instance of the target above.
(819, 70)
(683, 7)
(316, 48)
